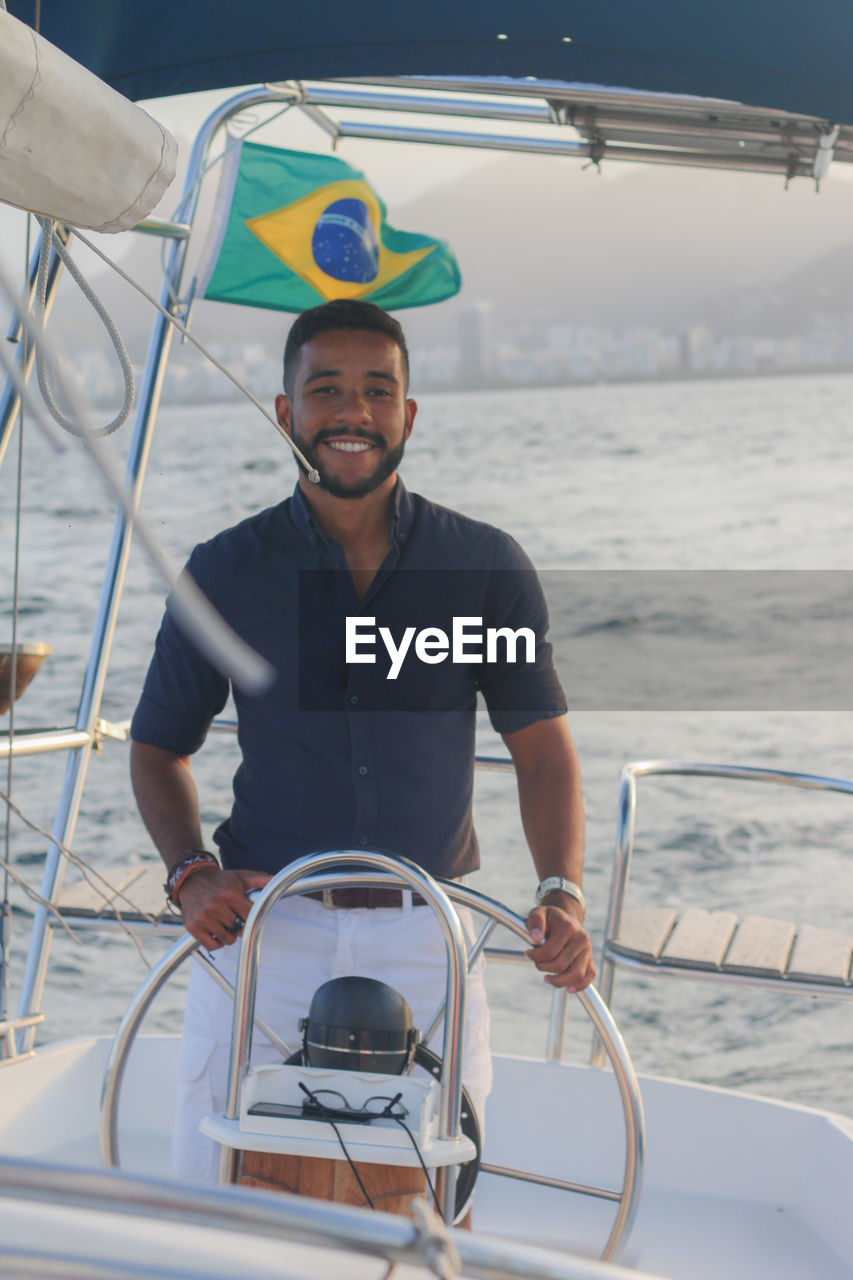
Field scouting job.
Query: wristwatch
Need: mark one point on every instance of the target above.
(554, 883)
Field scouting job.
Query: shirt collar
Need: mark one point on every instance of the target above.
(402, 516)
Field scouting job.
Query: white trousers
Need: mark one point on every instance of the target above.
(304, 945)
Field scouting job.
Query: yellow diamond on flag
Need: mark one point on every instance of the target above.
(332, 239)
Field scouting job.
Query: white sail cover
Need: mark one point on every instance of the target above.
(71, 147)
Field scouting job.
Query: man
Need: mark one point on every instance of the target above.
(348, 750)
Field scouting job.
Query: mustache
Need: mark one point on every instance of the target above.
(359, 433)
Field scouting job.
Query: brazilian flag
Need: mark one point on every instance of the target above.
(292, 229)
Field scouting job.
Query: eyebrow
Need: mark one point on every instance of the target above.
(336, 373)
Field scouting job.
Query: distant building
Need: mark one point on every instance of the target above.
(475, 328)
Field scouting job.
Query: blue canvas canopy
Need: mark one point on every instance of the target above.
(791, 55)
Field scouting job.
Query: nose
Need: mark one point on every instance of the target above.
(352, 406)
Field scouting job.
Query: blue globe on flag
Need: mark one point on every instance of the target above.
(345, 244)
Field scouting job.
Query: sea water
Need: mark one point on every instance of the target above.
(617, 493)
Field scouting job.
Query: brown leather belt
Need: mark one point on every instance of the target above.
(352, 898)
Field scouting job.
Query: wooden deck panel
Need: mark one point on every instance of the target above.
(700, 940)
(756, 946)
(821, 955)
(142, 884)
(85, 898)
(643, 934)
(761, 946)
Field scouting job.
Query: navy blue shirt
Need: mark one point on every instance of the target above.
(337, 755)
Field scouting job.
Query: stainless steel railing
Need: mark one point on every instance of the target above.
(311, 874)
(624, 850)
(292, 880)
(251, 1215)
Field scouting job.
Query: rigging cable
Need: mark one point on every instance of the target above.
(5, 904)
(313, 474)
(191, 608)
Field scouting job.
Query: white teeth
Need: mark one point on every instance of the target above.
(349, 446)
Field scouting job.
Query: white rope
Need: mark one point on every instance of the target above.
(204, 626)
(435, 1242)
(313, 474)
(109, 894)
(49, 242)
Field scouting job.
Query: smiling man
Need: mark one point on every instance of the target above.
(336, 755)
(358, 445)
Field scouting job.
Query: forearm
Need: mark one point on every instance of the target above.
(167, 798)
(213, 903)
(550, 798)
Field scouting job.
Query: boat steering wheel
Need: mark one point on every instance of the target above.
(303, 877)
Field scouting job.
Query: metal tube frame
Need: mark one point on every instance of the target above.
(307, 876)
(297, 878)
(658, 128)
(10, 402)
(623, 853)
(40, 742)
(161, 337)
(784, 163)
(561, 91)
(287, 1219)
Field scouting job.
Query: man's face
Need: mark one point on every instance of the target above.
(348, 411)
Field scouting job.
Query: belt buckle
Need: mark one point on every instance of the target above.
(328, 899)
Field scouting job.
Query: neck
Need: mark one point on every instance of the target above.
(353, 522)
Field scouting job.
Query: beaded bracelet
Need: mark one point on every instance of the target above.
(194, 860)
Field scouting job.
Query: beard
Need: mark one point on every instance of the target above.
(387, 463)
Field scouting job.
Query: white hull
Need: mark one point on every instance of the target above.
(734, 1186)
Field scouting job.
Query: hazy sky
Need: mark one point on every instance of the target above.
(399, 172)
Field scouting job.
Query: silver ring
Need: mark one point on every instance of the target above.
(236, 925)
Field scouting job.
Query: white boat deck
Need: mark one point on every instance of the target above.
(735, 1186)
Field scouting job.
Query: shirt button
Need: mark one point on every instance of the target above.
(362, 840)
(362, 768)
(354, 699)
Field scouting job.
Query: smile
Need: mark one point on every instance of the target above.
(349, 446)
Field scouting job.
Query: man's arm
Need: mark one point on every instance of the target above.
(551, 799)
(211, 900)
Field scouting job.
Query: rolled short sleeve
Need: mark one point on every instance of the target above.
(182, 691)
(518, 692)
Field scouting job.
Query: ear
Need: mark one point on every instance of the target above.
(411, 409)
(282, 412)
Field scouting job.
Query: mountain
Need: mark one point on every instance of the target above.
(545, 240)
(656, 245)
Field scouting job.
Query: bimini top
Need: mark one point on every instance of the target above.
(789, 55)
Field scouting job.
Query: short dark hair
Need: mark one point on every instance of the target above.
(340, 313)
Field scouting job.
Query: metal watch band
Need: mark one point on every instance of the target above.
(554, 883)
